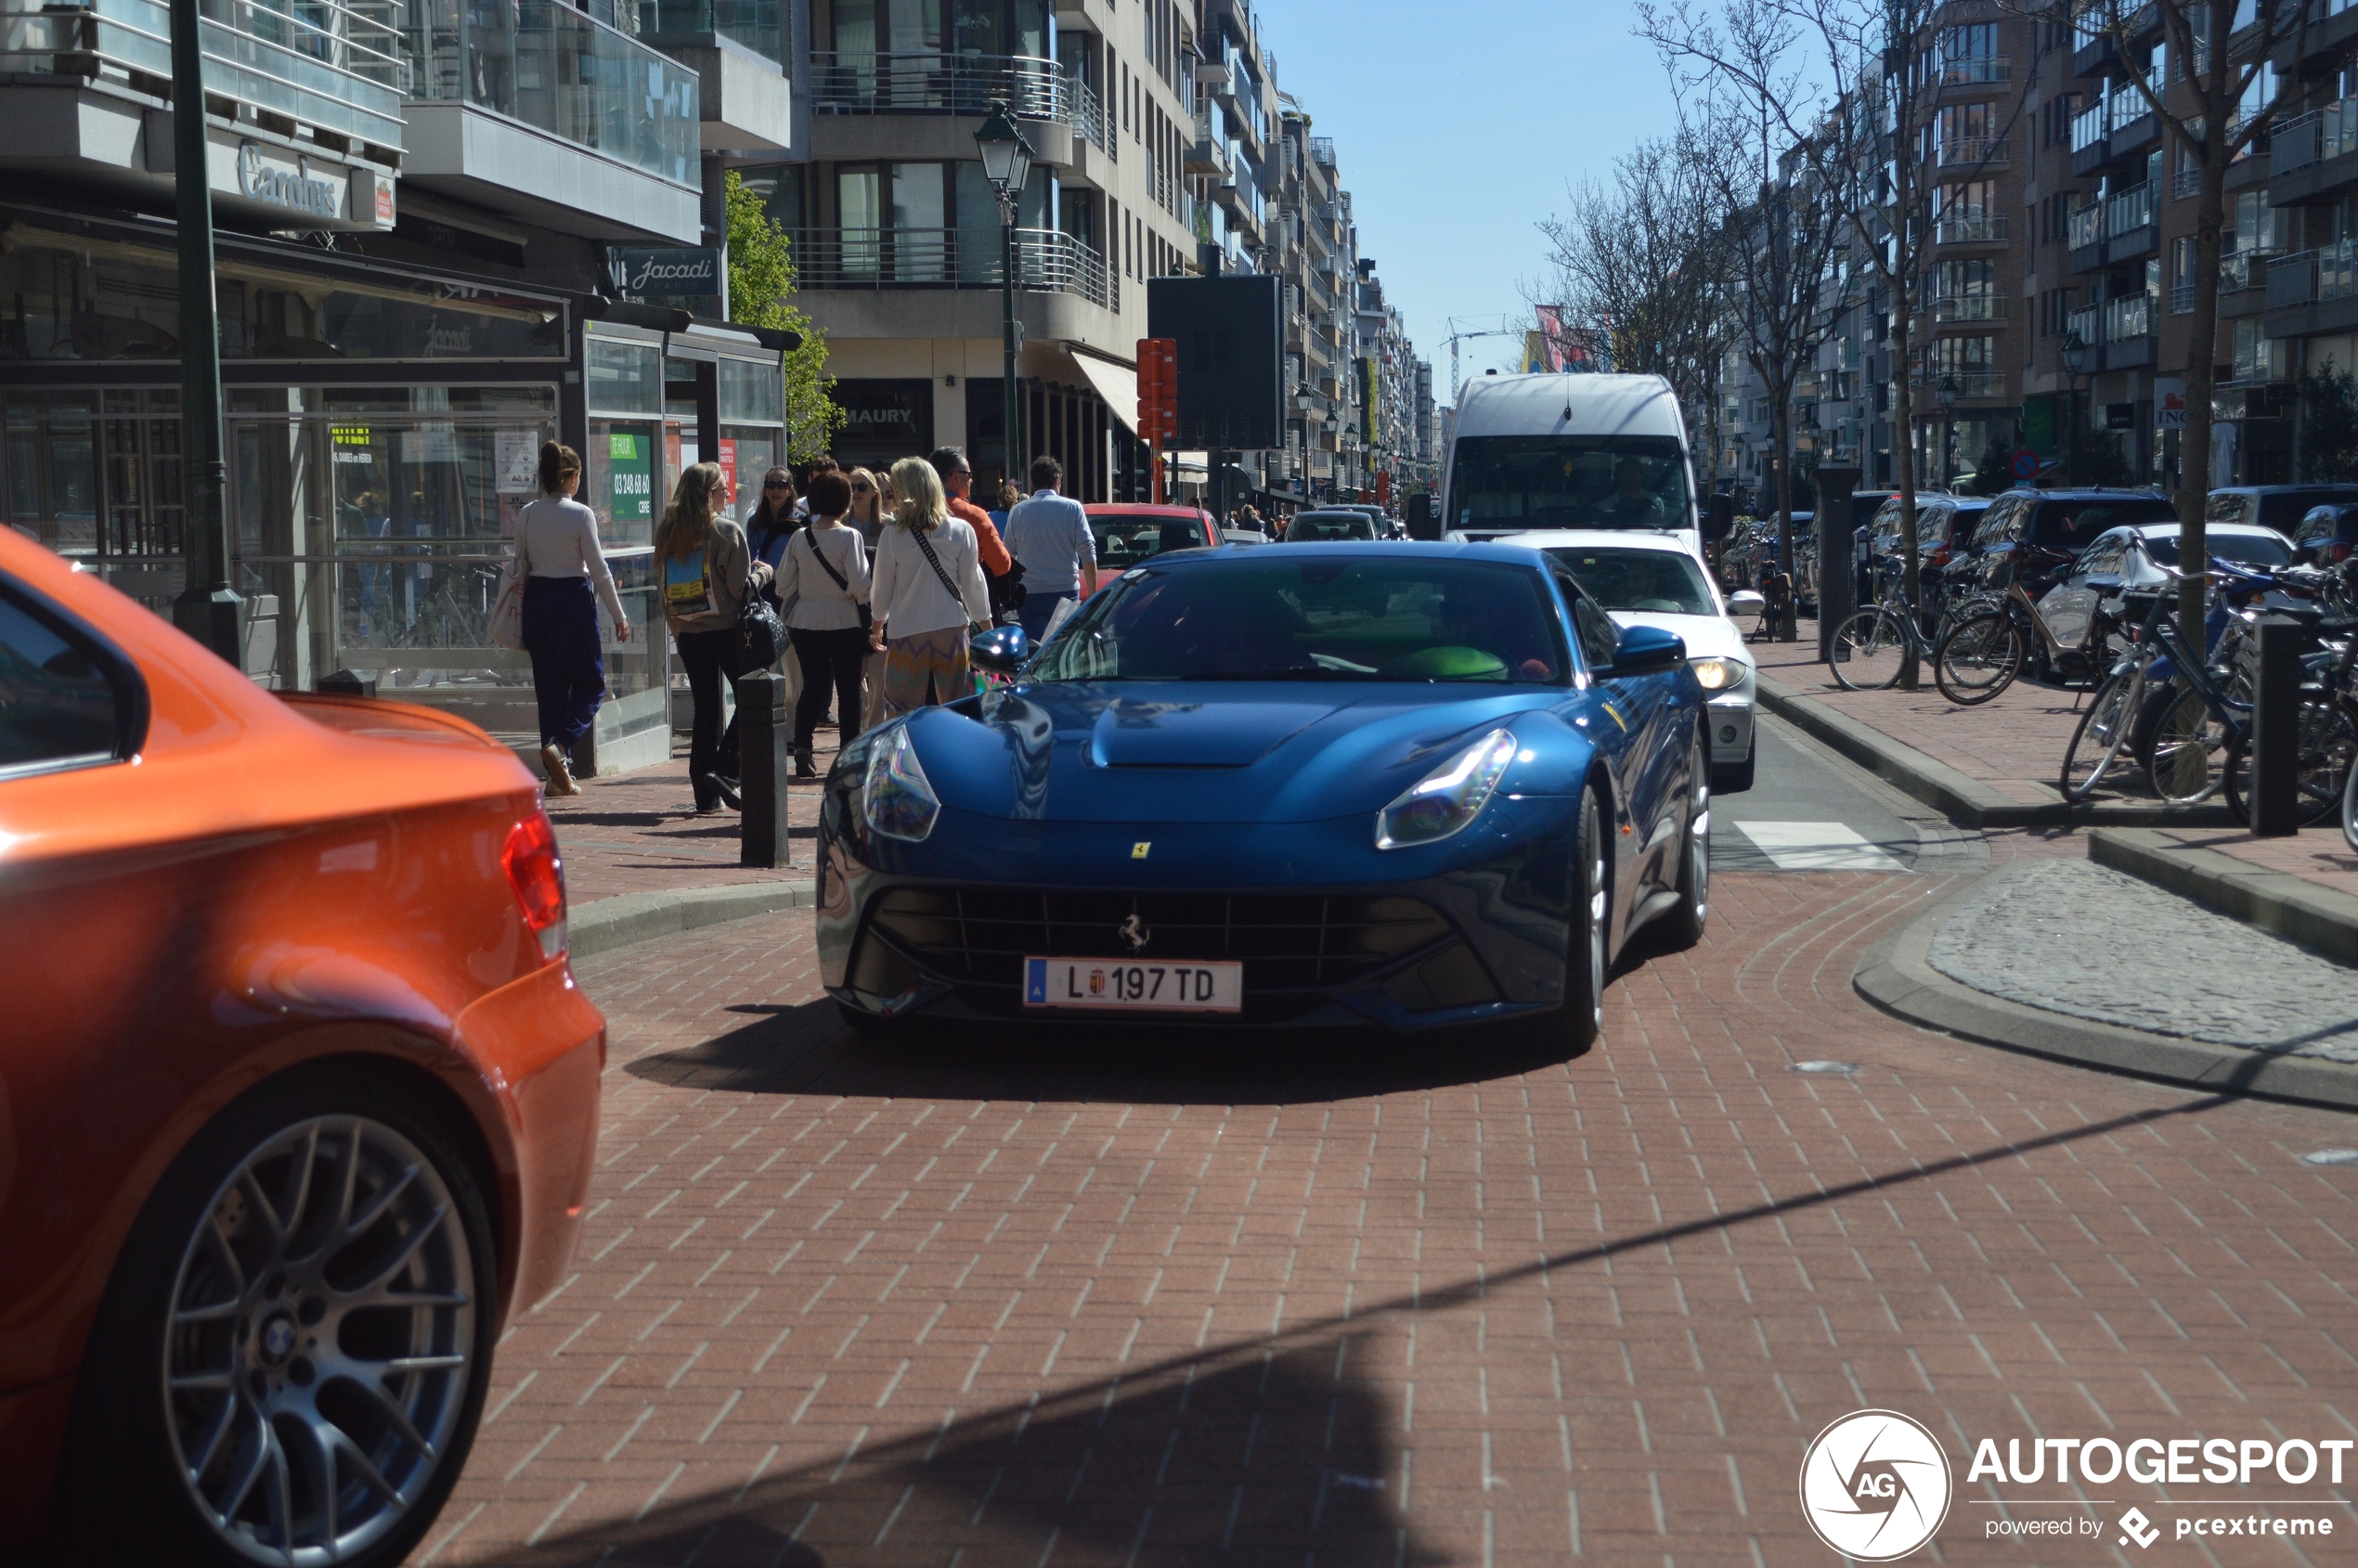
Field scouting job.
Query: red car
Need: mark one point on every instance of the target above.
(1128, 532)
(298, 1096)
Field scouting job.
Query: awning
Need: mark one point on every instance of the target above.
(1117, 385)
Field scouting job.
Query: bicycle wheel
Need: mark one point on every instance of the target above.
(1868, 651)
(2190, 748)
(2103, 731)
(1978, 659)
(2322, 772)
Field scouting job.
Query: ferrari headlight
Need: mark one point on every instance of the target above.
(895, 797)
(1446, 799)
(1715, 674)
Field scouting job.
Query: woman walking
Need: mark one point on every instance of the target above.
(558, 559)
(708, 570)
(929, 590)
(825, 573)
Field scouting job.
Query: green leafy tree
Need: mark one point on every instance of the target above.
(762, 287)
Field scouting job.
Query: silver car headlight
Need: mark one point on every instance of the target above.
(1447, 799)
(896, 798)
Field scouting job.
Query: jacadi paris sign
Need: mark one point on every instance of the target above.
(663, 273)
(1877, 1484)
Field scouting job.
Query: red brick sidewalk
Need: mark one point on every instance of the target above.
(639, 833)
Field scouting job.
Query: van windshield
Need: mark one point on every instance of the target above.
(1570, 481)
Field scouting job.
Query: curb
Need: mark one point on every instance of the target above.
(1961, 797)
(2317, 918)
(1896, 976)
(606, 924)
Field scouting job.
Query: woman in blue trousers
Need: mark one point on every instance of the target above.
(559, 559)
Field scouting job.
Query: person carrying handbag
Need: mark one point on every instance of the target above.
(928, 594)
(556, 567)
(706, 573)
(822, 580)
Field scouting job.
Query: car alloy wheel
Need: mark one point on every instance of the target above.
(322, 1341)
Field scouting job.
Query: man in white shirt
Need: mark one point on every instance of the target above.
(1049, 534)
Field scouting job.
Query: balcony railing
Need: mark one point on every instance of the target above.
(1047, 260)
(2329, 272)
(1973, 149)
(1970, 231)
(335, 64)
(2185, 183)
(2313, 137)
(2129, 210)
(753, 23)
(1966, 386)
(1969, 307)
(547, 66)
(2128, 317)
(926, 81)
(2088, 127)
(2239, 270)
(2084, 228)
(2087, 323)
(1978, 67)
(2182, 299)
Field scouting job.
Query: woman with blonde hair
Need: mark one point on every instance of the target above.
(867, 512)
(928, 592)
(707, 572)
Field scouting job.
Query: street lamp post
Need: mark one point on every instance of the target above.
(2075, 360)
(1948, 430)
(1007, 163)
(208, 608)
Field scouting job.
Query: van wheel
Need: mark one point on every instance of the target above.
(290, 1361)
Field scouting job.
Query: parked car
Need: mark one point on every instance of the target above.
(1129, 532)
(301, 1095)
(1326, 523)
(1346, 762)
(1243, 536)
(1649, 579)
(2130, 557)
(1945, 526)
(2327, 535)
(2280, 507)
(2033, 533)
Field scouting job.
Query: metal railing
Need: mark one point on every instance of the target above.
(1969, 307)
(2088, 127)
(2313, 137)
(2329, 272)
(1322, 151)
(1974, 149)
(753, 23)
(2239, 270)
(2087, 322)
(2129, 210)
(1969, 232)
(1978, 67)
(2128, 317)
(2182, 299)
(547, 66)
(1967, 384)
(2093, 24)
(2185, 183)
(921, 82)
(2084, 228)
(336, 64)
(1047, 261)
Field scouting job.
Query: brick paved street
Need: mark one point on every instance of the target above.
(1127, 1298)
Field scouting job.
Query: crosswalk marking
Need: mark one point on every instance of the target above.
(1815, 846)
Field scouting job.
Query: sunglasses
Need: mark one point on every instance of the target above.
(776, 485)
(864, 489)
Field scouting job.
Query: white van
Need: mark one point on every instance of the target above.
(1570, 451)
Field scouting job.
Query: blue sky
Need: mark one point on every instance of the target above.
(1456, 126)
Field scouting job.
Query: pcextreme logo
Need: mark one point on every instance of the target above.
(1876, 1485)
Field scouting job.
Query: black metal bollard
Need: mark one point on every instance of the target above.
(1837, 573)
(348, 683)
(2276, 728)
(763, 741)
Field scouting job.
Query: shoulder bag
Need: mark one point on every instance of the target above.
(761, 635)
(935, 562)
(867, 617)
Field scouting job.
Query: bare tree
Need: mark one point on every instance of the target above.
(1643, 260)
(1872, 133)
(2223, 108)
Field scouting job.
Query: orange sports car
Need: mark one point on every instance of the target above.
(298, 1097)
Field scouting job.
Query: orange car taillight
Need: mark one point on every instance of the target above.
(539, 877)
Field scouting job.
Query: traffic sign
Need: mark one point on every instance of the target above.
(2024, 464)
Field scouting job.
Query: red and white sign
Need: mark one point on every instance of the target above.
(729, 469)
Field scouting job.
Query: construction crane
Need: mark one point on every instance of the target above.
(1455, 337)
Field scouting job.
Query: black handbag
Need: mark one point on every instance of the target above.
(761, 636)
(867, 619)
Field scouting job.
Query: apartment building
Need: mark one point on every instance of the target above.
(418, 206)
(1317, 256)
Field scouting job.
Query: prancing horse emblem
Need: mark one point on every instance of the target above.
(1134, 933)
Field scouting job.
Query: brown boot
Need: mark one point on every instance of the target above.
(560, 771)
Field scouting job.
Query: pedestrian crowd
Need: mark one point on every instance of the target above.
(879, 580)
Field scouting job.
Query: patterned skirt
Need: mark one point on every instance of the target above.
(926, 668)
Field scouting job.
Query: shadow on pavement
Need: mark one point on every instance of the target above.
(808, 1049)
(1262, 1454)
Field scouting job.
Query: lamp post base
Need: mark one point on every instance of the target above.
(216, 620)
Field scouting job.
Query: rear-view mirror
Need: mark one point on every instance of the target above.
(1746, 602)
(1648, 650)
(1002, 650)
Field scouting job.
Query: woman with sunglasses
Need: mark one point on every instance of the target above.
(867, 506)
(770, 525)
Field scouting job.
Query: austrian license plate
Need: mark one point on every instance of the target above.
(1216, 986)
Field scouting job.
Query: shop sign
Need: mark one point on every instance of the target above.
(631, 463)
(2169, 403)
(265, 179)
(663, 273)
(352, 444)
(881, 417)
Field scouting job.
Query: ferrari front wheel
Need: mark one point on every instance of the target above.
(1683, 927)
(1571, 1029)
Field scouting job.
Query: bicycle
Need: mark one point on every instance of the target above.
(1873, 647)
(1980, 655)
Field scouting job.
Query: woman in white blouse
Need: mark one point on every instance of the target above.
(559, 559)
(823, 572)
(928, 591)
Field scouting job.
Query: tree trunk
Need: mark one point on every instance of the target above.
(2194, 470)
(1781, 431)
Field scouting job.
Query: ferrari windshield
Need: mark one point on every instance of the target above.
(1355, 617)
(1661, 582)
(1570, 481)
